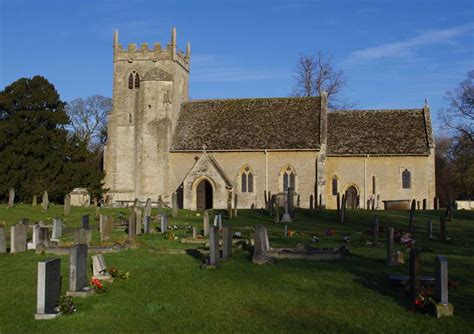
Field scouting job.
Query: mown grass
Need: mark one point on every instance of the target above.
(170, 293)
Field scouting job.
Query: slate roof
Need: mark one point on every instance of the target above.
(379, 132)
(249, 124)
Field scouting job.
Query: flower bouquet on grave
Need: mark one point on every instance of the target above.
(115, 273)
(98, 286)
(66, 305)
(170, 236)
(424, 301)
(291, 233)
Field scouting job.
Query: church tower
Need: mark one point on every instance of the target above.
(149, 86)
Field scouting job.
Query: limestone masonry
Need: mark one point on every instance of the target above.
(159, 143)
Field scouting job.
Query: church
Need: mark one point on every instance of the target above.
(206, 151)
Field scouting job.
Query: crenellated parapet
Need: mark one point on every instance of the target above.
(156, 53)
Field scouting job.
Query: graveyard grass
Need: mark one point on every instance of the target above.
(170, 293)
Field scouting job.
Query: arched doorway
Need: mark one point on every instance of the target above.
(204, 195)
(351, 198)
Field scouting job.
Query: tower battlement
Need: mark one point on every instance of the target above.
(145, 53)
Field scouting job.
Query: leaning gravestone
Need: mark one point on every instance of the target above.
(78, 283)
(99, 268)
(18, 238)
(132, 227)
(442, 306)
(262, 245)
(206, 223)
(11, 198)
(48, 289)
(57, 229)
(227, 242)
(213, 245)
(45, 203)
(67, 205)
(3, 240)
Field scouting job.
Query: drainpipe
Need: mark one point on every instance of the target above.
(266, 171)
(365, 180)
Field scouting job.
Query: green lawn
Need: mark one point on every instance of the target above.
(170, 293)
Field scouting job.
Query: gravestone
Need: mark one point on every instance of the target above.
(175, 210)
(138, 220)
(11, 197)
(286, 230)
(82, 236)
(99, 269)
(132, 227)
(227, 241)
(57, 229)
(338, 207)
(414, 274)
(236, 203)
(205, 221)
(320, 207)
(425, 204)
(3, 240)
(164, 223)
(286, 216)
(430, 229)
(375, 230)
(34, 201)
(442, 307)
(44, 237)
(147, 210)
(343, 209)
(411, 226)
(390, 253)
(35, 237)
(262, 245)
(67, 205)
(147, 225)
(194, 232)
(48, 289)
(277, 213)
(85, 222)
(105, 228)
(45, 203)
(18, 238)
(436, 203)
(219, 221)
(213, 245)
(229, 205)
(291, 201)
(311, 207)
(442, 228)
(78, 282)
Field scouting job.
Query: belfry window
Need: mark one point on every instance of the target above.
(133, 80)
(406, 179)
(289, 179)
(246, 180)
(130, 81)
(137, 80)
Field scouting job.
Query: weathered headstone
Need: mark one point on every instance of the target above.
(11, 198)
(414, 274)
(78, 282)
(34, 201)
(44, 237)
(436, 203)
(286, 230)
(442, 228)
(291, 201)
(311, 207)
(82, 236)
(194, 232)
(57, 229)
(375, 230)
(35, 237)
(85, 222)
(216, 220)
(205, 220)
(3, 240)
(227, 241)
(219, 221)
(229, 205)
(147, 225)
(338, 207)
(18, 238)
(67, 205)
(147, 211)
(213, 245)
(442, 307)
(236, 203)
(132, 227)
(175, 210)
(430, 229)
(99, 269)
(286, 216)
(45, 203)
(390, 252)
(343, 209)
(138, 215)
(164, 223)
(104, 231)
(262, 245)
(425, 204)
(411, 225)
(48, 289)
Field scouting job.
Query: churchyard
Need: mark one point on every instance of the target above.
(172, 287)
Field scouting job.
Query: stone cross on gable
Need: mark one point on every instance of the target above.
(204, 147)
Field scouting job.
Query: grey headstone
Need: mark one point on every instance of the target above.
(34, 201)
(3, 240)
(206, 223)
(18, 238)
(227, 241)
(213, 245)
(45, 203)
(262, 244)
(194, 232)
(219, 221)
(164, 223)
(49, 286)
(414, 273)
(147, 225)
(147, 211)
(36, 236)
(82, 236)
(138, 220)
(441, 276)
(78, 268)
(67, 205)
(375, 230)
(98, 265)
(11, 197)
(57, 229)
(85, 222)
(132, 227)
(43, 236)
(175, 210)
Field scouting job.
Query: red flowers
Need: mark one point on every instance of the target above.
(98, 286)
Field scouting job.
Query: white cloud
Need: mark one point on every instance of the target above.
(409, 46)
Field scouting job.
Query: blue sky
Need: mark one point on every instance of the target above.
(394, 54)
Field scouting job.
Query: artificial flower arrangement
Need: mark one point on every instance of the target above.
(291, 233)
(66, 305)
(115, 273)
(97, 285)
(170, 236)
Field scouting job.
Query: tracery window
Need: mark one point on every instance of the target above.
(133, 80)
(246, 180)
(406, 179)
(289, 179)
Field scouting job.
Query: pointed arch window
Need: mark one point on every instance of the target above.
(335, 185)
(137, 80)
(374, 189)
(133, 80)
(246, 180)
(130, 81)
(289, 179)
(406, 179)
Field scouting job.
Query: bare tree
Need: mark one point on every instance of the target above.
(89, 119)
(459, 115)
(315, 74)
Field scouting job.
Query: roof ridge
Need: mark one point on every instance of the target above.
(374, 110)
(256, 98)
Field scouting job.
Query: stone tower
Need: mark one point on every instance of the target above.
(148, 88)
